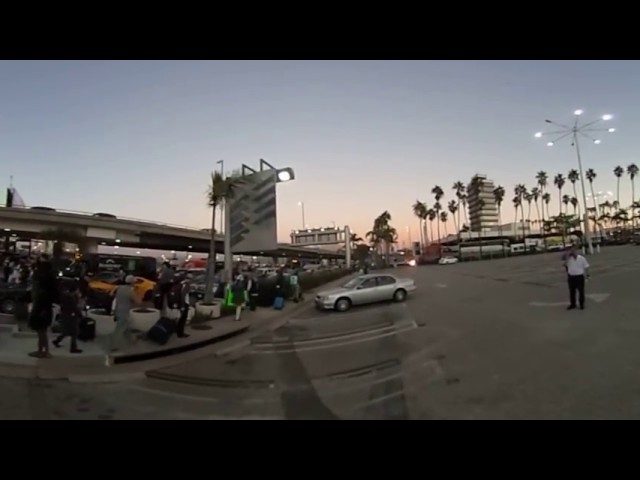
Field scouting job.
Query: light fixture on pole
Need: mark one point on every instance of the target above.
(574, 132)
(301, 205)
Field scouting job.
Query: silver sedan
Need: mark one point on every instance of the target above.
(370, 288)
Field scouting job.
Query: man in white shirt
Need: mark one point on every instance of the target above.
(577, 271)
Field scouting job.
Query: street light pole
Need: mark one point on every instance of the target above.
(573, 132)
(301, 204)
(585, 216)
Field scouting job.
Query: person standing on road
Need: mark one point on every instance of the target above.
(165, 281)
(71, 313)
(252, 288)
(294, 282)
(44, 293)
(577, 271)
(185, 290)
(238, 292)
(125, 300)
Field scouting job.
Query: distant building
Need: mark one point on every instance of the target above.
(327, 238)
(481, 204)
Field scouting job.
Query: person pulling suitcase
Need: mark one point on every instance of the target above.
(71, 314)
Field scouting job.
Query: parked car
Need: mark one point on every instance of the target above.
(365, 289)
(108, 282)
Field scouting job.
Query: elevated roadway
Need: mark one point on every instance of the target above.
(104, 229)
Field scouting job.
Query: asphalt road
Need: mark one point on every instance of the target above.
(479, 340)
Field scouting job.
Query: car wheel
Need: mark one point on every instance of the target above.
(400, 295)
(342, 304)
(8, 306)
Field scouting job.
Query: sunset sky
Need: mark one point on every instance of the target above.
(140, 138)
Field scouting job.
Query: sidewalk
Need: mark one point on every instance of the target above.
(216, 337)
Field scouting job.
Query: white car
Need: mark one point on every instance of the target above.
(447, 260)
(364, 289)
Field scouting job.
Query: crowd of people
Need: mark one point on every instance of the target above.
(17, 271)
(173, 290)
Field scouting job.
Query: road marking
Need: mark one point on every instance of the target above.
(596, 297)
(547, 304)
(306, 341)
(441, 285)
(197, 398)
(331, 345)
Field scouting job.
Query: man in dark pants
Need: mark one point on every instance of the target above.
(252, 289)
(165, 282)
(185, 289)
(577, 272)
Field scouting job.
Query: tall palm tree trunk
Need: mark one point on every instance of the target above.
(575, 194)
(431, 230)
(504, 250)
(633, 201)
(211, 263)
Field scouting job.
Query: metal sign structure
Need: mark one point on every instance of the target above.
(253, 223)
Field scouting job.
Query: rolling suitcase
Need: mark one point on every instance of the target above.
(161, 332)
(86, 329)
(278, 303)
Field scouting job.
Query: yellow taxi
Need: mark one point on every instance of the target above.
(108, 282)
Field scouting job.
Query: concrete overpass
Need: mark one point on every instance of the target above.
(101, 229)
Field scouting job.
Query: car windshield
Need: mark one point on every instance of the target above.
(353, 283)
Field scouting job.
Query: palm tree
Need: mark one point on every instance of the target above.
(535, 194)
(460, 190)
(498, 195)
(559, 182)
(520, 191)
(546, 198)
(565, 200)
(219, 191)
(529, 198)
(443, 219)
(432, 215)
(543, 179)
(591, 176)
(374, 239)
(517, 203)
(621, 217)
(618, 172)
(453, 209)
(438, 194)
(420, 211)
(354, 239)
(573, 176)
(632, 171)
(383, 233)
(574, 204)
